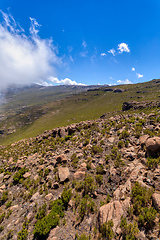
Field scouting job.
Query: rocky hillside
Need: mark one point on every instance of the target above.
(97, 179)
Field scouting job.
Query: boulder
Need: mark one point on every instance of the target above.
(52, 234)
(112, 211)
(156, 201)
(61, 158)
(35, 197)
(143, 139)
(26, 175)
(63, 173)
(79, 174)
(55, 185)
(153, 146)
(49, 196)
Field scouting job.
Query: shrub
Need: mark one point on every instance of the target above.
(88, 185)
(107, 157)
(147, 217)
(87, 206)
(141, 197)
(66, 196)
(86, 142)
(129, 231)
(96, 149)
(100, 169)
(76, 200)
(99, 179)
(44, 225)
(18, 176)
(22, 235)
(74, 160)
(8, 204)
(4, 197)
(106, 230)
(120, 144)
(152, 163)
(124, 134)
(67, 137)
(83, 237)
(41, 212)
(2, 216)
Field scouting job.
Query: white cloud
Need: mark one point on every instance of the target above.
(139, 75)
(123, 47)
(111, 78)
(133, 69)
(84, 44)
(24, 59)
(112, 51)
(65, 81)
(103, 54)
(126, 81)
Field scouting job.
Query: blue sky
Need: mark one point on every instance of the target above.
(93, 42)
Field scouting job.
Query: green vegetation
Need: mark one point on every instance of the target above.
(152, 163)
(87, 205)
(18, 176)
(141, 198)
(44, 225)
(106, 230)
(129, 231)
(4, 197)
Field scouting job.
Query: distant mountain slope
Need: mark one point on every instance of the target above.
(32, 110)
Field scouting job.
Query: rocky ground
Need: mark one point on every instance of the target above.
(92, 180)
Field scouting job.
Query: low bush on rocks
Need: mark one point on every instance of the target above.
(152, 163)
(22, 235)
(44, 225)
(18, 176)
(96, 149)
(87, 205)
(129, 231)
(4, 197)
(141, 198)
(107, 231)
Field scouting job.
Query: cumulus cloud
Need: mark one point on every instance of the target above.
(133, 69)
(139, 75)
(103, 54)
(24, 59)
(123, 47)
(112, 51)
(126, 81)
(65, 81)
